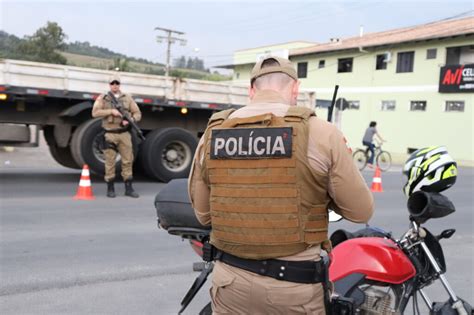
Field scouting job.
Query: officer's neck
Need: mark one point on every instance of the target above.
(268, 96)
(116, 94)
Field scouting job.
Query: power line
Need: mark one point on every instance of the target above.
(466, 13)
(261, 18)
(219, 58)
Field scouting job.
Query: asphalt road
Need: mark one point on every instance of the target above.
(61, 256)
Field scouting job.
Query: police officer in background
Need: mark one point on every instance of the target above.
(264, 176)
(117, 135)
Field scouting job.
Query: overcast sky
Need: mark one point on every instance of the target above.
(215, 29)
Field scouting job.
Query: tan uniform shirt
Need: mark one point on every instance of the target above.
(327, 153)
(103, 108)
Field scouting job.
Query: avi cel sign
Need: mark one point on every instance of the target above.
(456, 79)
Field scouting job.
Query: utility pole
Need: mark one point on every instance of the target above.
(169, 40)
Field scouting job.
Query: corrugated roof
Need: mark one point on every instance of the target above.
(434, 30)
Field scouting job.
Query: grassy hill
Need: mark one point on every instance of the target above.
(108, 63)
(83, 54)
(140, 67)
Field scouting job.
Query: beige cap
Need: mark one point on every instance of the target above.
(285, 66)
(114, 77)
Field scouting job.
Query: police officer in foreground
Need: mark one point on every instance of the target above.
(117, 134)
(264, 177)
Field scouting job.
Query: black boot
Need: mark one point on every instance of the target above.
(110, 190)
(129, 189)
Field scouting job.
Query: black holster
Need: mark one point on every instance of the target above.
(110, 145)
(327, 286)
(208, 252)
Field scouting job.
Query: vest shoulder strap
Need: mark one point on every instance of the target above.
(219, 117)
(298, 113)
(264, 119)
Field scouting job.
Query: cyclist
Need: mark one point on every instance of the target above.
(367, 141)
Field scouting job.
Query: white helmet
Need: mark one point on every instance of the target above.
(429, 169)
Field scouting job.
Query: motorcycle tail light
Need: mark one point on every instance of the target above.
(197, 247)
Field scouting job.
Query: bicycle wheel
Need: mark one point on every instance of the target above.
(360, 159)
(384, 161)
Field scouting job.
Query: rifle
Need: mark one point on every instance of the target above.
(330, 109)
(126, 116)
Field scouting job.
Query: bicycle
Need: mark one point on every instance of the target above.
(383, 159)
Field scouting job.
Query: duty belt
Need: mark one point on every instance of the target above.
(292, 271)
(119, 130)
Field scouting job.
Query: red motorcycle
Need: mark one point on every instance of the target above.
(384, 274)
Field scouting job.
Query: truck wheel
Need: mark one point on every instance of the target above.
(168, 153)
(85, 146)
(63, 156)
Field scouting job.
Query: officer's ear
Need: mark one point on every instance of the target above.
(295, 87)
(252, 91)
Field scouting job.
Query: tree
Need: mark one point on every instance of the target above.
(44, 43)
(199, 64)
(9, 45)
(121, 64)
(180, 62)
(190, 63)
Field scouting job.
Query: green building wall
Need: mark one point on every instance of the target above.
(401, 127)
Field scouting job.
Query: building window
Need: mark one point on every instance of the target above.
(405, 61)
(302, 69)
(354, 105)
(322, 64)
(418, 106)
(454, 106)
(461, 55)
(431, 53)
(344, 65)
(388, 105)
(237, 75)
(381, 62)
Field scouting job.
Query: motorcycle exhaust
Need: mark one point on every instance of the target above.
(428, 205)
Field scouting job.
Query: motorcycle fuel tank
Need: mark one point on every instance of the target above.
(380, 259)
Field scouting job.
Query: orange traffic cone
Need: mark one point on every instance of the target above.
(84, 191)
(377, 181)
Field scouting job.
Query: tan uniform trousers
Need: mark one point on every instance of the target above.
(237, 291)
(123, 142)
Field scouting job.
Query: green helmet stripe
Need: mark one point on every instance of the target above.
(427, 163)
(450, 172)
(425, 150)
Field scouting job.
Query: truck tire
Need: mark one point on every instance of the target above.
(63, 156)
(168, 153)
(85, 150)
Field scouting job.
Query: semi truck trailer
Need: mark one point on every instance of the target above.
(55, 101)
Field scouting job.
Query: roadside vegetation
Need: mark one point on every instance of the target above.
(48, 44)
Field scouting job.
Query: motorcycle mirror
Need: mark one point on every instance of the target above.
(428, 205)
(446, 234)
(334, 217)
